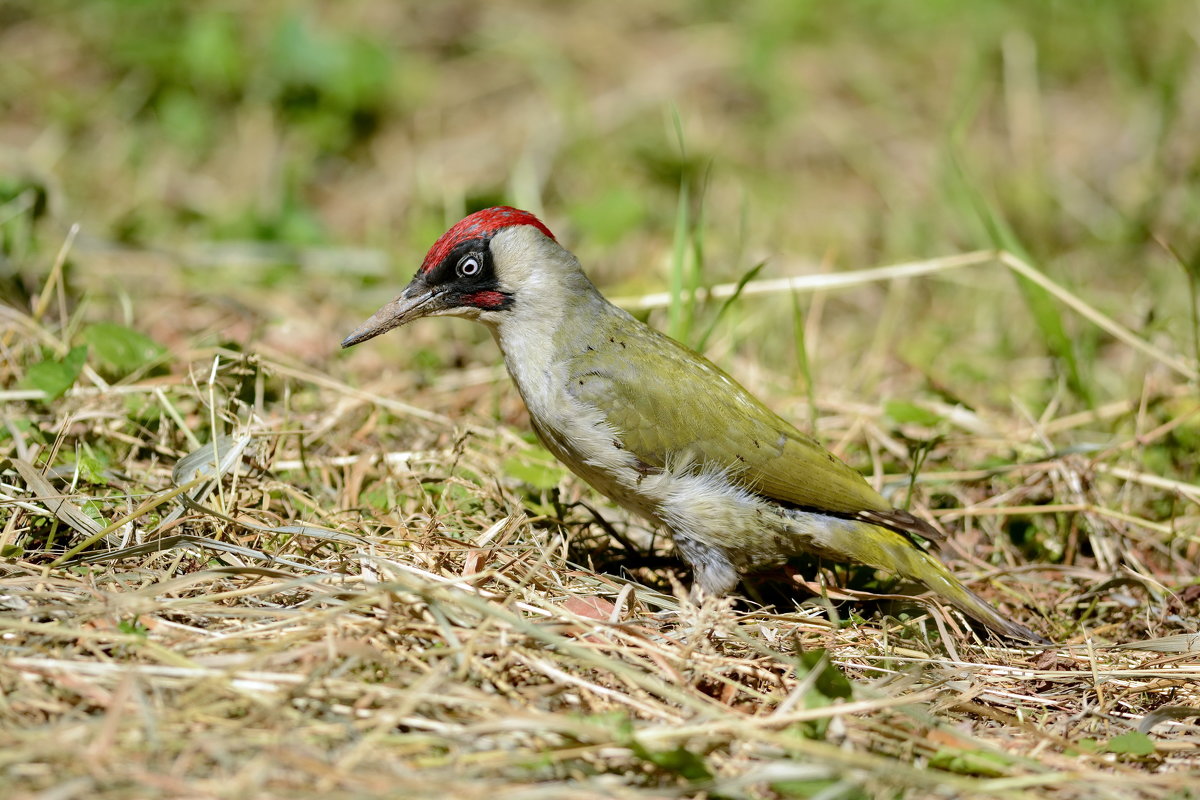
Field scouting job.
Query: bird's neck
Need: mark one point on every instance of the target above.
(548, 316)
(548, 324)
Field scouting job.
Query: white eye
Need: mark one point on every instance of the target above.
(469, 266)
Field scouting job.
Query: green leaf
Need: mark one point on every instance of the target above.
(819, 787)
(93, 465)
(828, 685)
(122, 350)
(539, 470)
(1132, 744)
(55, 376)
(133, 627)
(682, 762)
(679, 761)
(830, 681)
(970, 762)
(379, 497)
(904, 412)
(96, 511)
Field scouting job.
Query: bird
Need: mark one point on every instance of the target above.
(658, 428)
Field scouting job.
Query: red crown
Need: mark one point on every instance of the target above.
(479, 225)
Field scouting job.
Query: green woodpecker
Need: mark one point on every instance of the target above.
(657, 427)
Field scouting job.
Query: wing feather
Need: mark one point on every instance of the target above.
(667, 401)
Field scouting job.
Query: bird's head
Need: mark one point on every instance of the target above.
(477, 269)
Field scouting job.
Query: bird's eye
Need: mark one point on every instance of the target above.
(469, 266)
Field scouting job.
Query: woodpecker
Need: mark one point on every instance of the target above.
(658, 428)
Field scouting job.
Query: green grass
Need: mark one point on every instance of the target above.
(392, 590)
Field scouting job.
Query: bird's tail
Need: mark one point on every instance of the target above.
(886, 549)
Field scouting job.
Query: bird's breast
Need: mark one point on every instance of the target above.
(576, 433)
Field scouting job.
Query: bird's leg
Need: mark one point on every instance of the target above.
(714, 572)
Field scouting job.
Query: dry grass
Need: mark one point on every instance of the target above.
(331, 616)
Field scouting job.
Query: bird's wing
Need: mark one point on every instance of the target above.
(665, 401)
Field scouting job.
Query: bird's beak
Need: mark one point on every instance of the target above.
(418, 300)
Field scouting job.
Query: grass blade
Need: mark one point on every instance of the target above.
(678, 312)
(750, 275)
(1041, 305)
(801, 339)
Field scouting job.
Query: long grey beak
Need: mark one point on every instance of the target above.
(415, 302)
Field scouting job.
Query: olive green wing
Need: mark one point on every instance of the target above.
(663, 399)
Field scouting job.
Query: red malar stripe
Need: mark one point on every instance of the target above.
(484, 300)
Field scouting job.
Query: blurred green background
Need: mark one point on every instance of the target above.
(270, 171)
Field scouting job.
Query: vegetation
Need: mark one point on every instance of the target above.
(236, 562)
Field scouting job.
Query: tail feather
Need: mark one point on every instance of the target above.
(886, 549)
(904, 524)
(939, 579)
